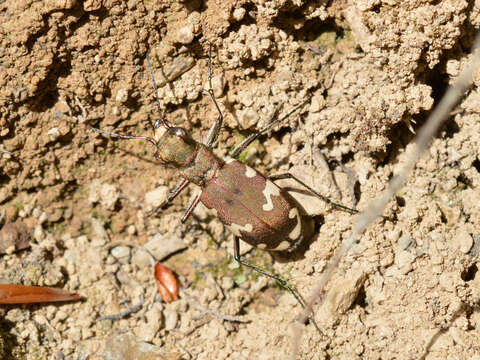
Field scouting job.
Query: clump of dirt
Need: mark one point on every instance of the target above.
(369, 72)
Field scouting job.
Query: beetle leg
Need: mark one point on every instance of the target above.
(279, 280)
(177, 189)
(191, 206)
(249, 139)
(217, 125)
(317, 194)
(238, 258)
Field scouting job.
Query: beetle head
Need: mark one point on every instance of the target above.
(175, 147)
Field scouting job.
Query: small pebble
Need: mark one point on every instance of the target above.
(131, 230)
(239, 13)
(156, 196)
(464, 241)
(185, 35)
(109, 196)
(404, 242)
(36, 213)
(53, 134)
(122, 96)
(42, 218)
(171, 319)
(248, 118)
(119, 252)
(404, 260)
(142, 258)
(38, 233)
(161, 246)
(317, 103)
(342, 295)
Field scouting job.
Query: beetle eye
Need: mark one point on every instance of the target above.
(180, 132)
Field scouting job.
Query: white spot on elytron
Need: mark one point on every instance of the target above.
(235, 228)
(229, 160)
(249, 172)
(284, 245)
(262, 246)
(270, 190)
(297, 230)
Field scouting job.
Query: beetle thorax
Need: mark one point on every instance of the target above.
(202, 167)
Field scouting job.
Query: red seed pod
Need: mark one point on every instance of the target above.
(167, 283)
(24, 294)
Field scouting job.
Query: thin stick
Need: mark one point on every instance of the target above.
(422, 141)
(124, 313)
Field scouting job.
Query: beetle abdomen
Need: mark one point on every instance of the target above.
(254, 208)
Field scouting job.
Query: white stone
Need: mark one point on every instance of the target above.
(53, 134)
(122, 96)
(239, 13)
(119, 252)
(156, 196)
(185, 35)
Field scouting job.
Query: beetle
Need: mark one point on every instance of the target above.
(249, 203)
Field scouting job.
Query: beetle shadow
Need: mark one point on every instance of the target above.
(308, 236)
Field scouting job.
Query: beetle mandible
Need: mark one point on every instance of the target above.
(254, 208)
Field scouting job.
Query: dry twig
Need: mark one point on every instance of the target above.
(367, 217)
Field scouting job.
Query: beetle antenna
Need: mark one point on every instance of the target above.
(155, 92)
(122, 136)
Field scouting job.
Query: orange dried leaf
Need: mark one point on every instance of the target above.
(167, 283)
(25, 294)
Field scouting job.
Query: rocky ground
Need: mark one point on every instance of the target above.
(73, 203)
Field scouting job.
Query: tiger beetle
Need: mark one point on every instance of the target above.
(249, 203)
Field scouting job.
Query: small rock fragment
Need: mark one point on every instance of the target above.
(106, 194)
(248, 118)
(146, 331)
(14, 235)
(171, 319)
(131, 230)
(404, 242)
(342, 295)
(122, 96)
(53, 134)
(38, 233)
(156, 196)
(185, 35)
(239, 13)
(317, 103)
(142, 258)
(404, 260)
(92, 5)
(162, 246)
(127, 347)
(109, 196)
(100, 234)
(463, 241)
(121, 253)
